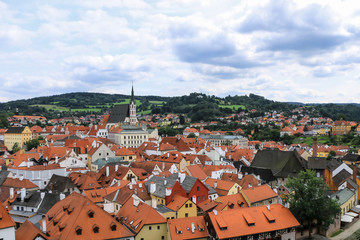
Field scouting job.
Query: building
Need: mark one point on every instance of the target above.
(7, 225)
(128, 135)
(219, 139)
(19, 135)
(187, 228)
(262, 222)
(123, 114)
(341, 128)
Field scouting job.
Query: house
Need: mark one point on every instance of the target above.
(76, 217)
(128, 135)
(260, 195)
(188, 130)
(29, 231)
(223, 188)
(230, 202)
(261, 222)
(19, 135)
(144, 221)
(7, 225)
(283, 164)
(341, 127)
(61, 184)
(187, 229)
(183, 207)
(99, 150)
(346, 199)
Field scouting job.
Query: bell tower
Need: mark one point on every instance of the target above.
(132, 108)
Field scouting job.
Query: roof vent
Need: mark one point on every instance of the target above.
(90, 213)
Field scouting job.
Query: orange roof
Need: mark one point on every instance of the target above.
(136, 216)
(97, 195)
(252, 220)
(124, 152)
(222, 187)
(177, 202)
(234, 201)
(17, 183)
(188, 228)
(5, 220)
(196, 171)
(259, 193)
(191, 130)
(28, 230)
(76, 217)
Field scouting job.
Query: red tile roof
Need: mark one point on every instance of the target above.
(259, 193)
(188, 228)
(5, 220)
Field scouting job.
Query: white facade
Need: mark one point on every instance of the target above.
(7, 233)
(39, 177)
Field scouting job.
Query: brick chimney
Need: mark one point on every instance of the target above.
(314, 147)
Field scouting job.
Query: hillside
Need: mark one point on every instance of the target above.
(197, 106)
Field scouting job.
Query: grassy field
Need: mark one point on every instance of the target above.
(233, 106)
(309, 140)
(86, 110)
(147, 112)
(51, 107)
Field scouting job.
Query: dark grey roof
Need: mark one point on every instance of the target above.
(59, 184)
(162, 209)
(333, 164)
(188, 182)
(355, 209)
(32, 199)
(317, 163)
(352, 183)
(211, 190)
(3, 176)
(281, 163)
(15, 130)
(341, 176)
(50, 199)
(265, 174)
(350, 157)
(119, 113)
(161, 184)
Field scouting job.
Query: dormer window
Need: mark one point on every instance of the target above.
(91, 214)
(96, 228)
(78, 230)
(113, 226)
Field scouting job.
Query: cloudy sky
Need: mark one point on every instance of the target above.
(307, 51)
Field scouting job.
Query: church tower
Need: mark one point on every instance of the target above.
(132, 108)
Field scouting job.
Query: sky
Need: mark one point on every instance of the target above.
(303, 51)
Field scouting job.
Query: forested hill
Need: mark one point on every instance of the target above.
(197, 106)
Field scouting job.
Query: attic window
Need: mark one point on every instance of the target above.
(96, 228)
(178, 230)
(91, 213)
(62, 226)
(78, 230)
(113, 226)
(70, 209)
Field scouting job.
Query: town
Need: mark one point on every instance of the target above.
(122, 176)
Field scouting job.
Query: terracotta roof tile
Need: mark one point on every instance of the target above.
(188, 228)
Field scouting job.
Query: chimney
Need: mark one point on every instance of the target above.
(354, 172)
(136, 202)
(43, 224)
(215, 212)
(130, 186)
(11, 193)
(22, 194)
(182, 177)
(215, 184)
(133, 181)
(116, 168)
(140, 185)
(21, 177)
(152, 187)
(42, 195)
(62, 196)
(314, 147)
(153, 203)
(249, 185)
(167, 191)
(28, 164)
(194, 199)
(119, 183)
(107, 171)
(240, 175)
(56, 159)
(192, 227)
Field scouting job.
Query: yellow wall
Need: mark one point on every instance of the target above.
(21, 138)
(323, 154)
(235, 189)
(169, 215)
(348, 205)
(156, 232)
(191, 211)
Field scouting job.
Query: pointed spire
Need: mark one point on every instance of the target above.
(132, 93)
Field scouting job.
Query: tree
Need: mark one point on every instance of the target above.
(308, 200)
(15, 147)
(34, 143)
(191, 135)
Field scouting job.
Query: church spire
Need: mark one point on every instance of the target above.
(132, 100)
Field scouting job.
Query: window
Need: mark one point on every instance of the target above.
(190, 205)
(186, 205)
(197, 188)
(158, 227)
(149, 227)
(186, 215)
(162, 237)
